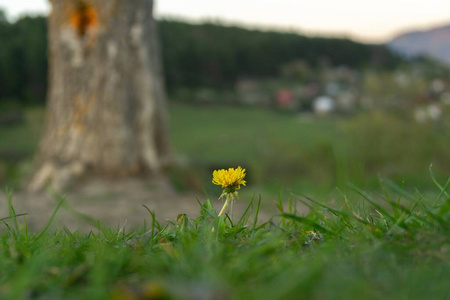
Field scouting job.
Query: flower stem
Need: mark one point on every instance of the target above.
(225, 206)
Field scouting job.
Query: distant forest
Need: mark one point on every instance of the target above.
(206, 55)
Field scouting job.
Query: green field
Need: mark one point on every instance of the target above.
(280, 150)
(377, 226)
(303, 153)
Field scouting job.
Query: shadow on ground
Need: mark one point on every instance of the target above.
(114, 203)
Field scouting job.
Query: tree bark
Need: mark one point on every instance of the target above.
(106, 109)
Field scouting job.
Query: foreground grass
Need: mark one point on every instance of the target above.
(378, 247)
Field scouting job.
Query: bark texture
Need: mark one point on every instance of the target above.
(106, 104)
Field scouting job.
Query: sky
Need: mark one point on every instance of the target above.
(364, 20)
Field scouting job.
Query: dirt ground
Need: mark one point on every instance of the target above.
(117, 203)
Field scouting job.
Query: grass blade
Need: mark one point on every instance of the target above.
(307, 222)
(369, 199)
(442, 189)
(52, 217)
(255, 220)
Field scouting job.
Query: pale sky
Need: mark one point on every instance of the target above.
(371, 21)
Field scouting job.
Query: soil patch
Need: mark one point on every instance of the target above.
(114, 203)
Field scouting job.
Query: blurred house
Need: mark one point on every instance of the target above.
(285, 98)
(323, 105)
(250, 92)
(431, 112)
(346, 101)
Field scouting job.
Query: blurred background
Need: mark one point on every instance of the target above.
(308, 97)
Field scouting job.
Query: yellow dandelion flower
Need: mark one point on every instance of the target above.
(231, 179)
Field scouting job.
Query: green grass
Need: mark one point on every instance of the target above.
(17, 146)
(387, 242)
(390, 246)
(278, 149)
(311, 154)
(281, 151)
(22, 139)
(236, 134)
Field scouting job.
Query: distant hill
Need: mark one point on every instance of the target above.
(434, 43)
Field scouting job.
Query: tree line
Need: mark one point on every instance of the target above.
(23, 60)
(194, 55)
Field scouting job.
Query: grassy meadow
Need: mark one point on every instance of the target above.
(281, 151)
(376, 224)
(394, 247)
(310, 154)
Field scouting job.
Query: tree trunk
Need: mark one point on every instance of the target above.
(106, 103)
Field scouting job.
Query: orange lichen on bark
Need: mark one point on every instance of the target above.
(84, 18)
(79, 113)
